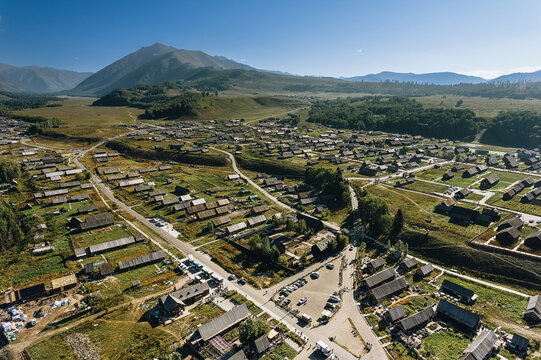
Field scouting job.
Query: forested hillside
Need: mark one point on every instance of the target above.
(395, 114)
(174, 101)
(514, 128)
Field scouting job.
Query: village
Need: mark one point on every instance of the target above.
(211, 235)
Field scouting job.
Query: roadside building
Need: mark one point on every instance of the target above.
(385, 291)
(379, 278)
(425, 270)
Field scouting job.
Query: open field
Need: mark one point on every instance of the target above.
(417, 208)
(227, 107)
(482, 106)
(82, 121)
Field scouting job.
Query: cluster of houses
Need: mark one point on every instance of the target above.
(385, 283)
(466, 216)
(517, 188)
(508, 232)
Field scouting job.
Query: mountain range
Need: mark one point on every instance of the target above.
(438, 78)
(35, 79)
(160, 63)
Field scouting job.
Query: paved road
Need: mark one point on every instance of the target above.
(350, 310)
(261, 298)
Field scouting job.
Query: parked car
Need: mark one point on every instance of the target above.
(330, 266)
(314, 275)
(287, 302)
(231, 277)
(302, 301)
(334, 298)
(280, 298)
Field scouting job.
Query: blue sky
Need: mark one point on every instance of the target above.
(308, 37)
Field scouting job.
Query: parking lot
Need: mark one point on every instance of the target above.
(317, 291)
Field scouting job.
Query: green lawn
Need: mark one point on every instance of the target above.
(446, 345)
(426, 187)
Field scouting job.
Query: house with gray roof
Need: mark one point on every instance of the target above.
(96, 222)
(533, 309)
(142, 260)
(379, 278)
(385, 291)
(416, 321)
(177, 300)
(220, 324)
(481, 347)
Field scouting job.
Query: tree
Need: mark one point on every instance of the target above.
(372, 208)
(282, 260)
(398, 223)
(362, 249)
(302, 226)
(329, 182)
(274, 253)
(342, 241)
(10, 233)
(383, 224)
(9, 170)
(251, 329)
(304, 259)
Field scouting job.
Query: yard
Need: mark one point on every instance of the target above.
(445, 345)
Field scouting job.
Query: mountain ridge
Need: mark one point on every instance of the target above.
(151, 65)
(519, 77)
(37, 79)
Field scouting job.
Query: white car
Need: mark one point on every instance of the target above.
(302, 301)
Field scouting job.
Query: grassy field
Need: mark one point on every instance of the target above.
(80, 120)
(419, 208)
(426, 187)
(483, 107)
(445, 345)
(226, 107)
(280, 352)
